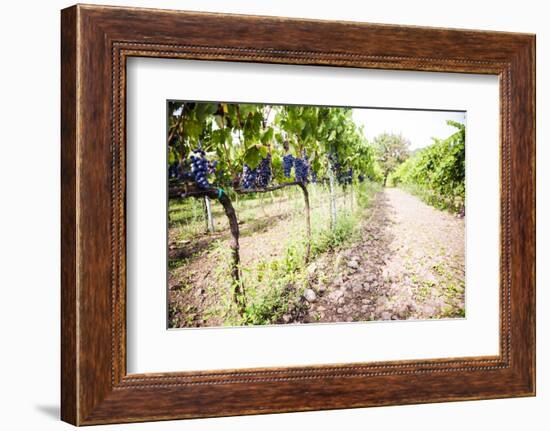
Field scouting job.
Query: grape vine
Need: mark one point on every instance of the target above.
(222, 149)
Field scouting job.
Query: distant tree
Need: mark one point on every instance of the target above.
(391, 151)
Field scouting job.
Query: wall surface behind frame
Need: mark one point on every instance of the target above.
(29, 220)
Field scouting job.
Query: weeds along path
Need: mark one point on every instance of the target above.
(408, 265)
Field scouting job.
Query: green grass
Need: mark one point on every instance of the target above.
(452, 204)
(176, 263)
(345, 230)
(178, 314)
(274, 288)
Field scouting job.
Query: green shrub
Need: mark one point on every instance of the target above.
(436, 173)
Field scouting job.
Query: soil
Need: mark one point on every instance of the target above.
(408, 265)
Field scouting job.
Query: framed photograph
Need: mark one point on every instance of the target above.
(264, 215)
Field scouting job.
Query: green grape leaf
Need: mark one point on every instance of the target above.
(252, 156)
(267, 136)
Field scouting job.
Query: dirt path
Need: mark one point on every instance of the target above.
(409, 265)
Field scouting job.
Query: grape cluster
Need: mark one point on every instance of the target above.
(249, 177)
(336, 167)
(264, 172)
(361, 178)
(314, 177)
(184, 172)
(301, 170)
(212, 167)
(173, 170)
(334, 163)
(288, 162)
(258, 177)
(201, 167)
(348, 177)
(344, 178)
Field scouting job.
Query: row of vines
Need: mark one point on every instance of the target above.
(436, 173)
(218, 151)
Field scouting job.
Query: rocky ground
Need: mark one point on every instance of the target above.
(409, 265)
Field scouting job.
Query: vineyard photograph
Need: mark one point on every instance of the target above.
(300, 214)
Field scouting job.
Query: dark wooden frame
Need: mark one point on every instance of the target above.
(95, 43)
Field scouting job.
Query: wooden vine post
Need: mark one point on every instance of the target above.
(332, 200)
(308, 221)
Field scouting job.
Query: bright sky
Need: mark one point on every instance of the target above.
(417, 126)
